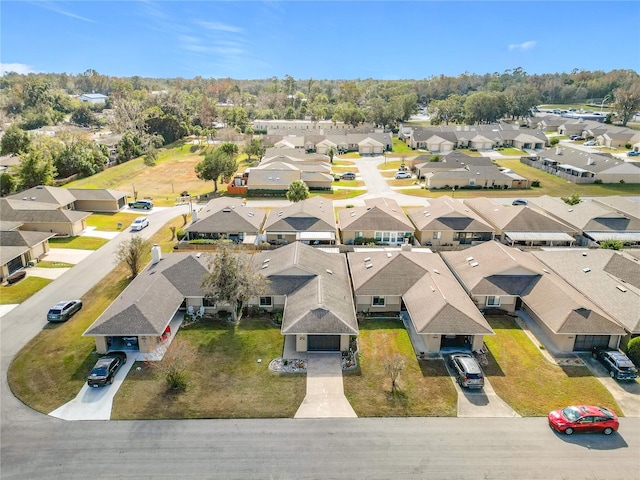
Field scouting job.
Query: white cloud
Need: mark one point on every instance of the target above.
(20, 68)
(221, 27)
(523, 46)
(55, 7)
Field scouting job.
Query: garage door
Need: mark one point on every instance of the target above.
(323, 343)
(15, 264)
(587, 342)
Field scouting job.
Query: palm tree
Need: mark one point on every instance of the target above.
(332, 151)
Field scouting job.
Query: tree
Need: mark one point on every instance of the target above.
(448, 110)
(133, 252)
(36, 168)
(151, 157)
(554, 141)
(332, 151)
(574, 199)
(254, 149)
(485, 107)
(633, 350)
(14, 140)
(298, 190)
(174, 364)
(627, 102)
(393, 365)
(7, 183)
(232, 281)
(83, 116)
(216, 166)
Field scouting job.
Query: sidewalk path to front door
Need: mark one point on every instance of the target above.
(325, 392)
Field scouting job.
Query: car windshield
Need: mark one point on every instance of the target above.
(571, 413)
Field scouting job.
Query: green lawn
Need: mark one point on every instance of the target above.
(81, 243)
(425, 388)
(19, 292)
(398, 146)
(532, 386)
(48, 264)
(109, 221)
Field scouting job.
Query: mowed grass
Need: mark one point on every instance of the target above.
(425, 387)
(80, 243)
(50, 370)
(49, 264)
(398, 146)
(20, 291)
(109, 221)
(173, 173)
(225, 381)
(522, 377)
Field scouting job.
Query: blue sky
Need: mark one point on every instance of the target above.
(317, 39)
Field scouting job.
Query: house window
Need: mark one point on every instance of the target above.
(493, 301)
(265, 301)
(208, 302)
(377, 301)
(359, 235)
(437, 235)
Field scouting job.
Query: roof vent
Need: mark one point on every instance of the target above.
(329, 272)
(570, 210)
(265, 265)
(389, 255)
(427, 214)
(250, 214)
(369, 265)
(621, 288)
(436, 271)
(584, 254)
(353, 214)
(33, 198)
(545, 270)
(226, 210)
(368, 259)
(280, 213)
(469, 259)
(475, 264)
(266, 260)
(586, 270)
(198, 254)
(25, 198)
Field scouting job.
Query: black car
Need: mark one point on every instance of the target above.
(616, 362)
(62, 311)
(145, 204)
(106, 368)
(467, 370)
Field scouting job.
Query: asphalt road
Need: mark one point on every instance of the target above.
(35, 446)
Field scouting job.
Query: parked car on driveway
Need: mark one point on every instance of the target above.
(583, 419)
(348, 176)
(468, 372)
(520, 201)
(633, 153)
(590, 143)
(402, 175)
(616, 362)
(576, 137)
(106, 368)
(139, 223)
(63, 311)
(145, 204)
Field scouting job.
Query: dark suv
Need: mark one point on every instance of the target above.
(62, 311)
(146, 204)
(106, 368)
(467, 370)
(618, 364)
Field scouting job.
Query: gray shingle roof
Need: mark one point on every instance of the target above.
(45, 194)
(379, 214)
(314, 214)
(227, 215)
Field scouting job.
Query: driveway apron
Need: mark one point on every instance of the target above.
(325, 393)
(481, 403)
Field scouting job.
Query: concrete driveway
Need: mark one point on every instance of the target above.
(325, 392)
(94, 403)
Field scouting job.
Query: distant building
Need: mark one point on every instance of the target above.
(93, 98)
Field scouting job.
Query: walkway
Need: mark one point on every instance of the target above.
(325, 392)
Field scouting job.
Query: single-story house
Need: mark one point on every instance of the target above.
(56, 196)
(608, 278)
(422, 285)
(594, 221)
(472, 176)
(19, 247)
(99, 199)
(43, 217)
(309, 221)
(498, 277)
(227, 218)
(450, 161)
(380, 220)
(278, 175)
(521, 225)
(447, 221)
(312, 288)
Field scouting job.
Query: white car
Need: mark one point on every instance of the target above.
(403, 175)
(590, 143)
(139, 223)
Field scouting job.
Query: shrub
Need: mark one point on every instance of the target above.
(535, 183)
(612, 244)
(633, 350)
(364, 241)
(627, 146)
(554, 141)
(180, 234)
(622, 180)
(598, 181)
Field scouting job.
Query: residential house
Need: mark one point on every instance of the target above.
(309, 221)
(594, 221)
(447, 221)
(43, 217)
(93, 98)
(312, 289)
(99, 199)
(278, 175)
(380, 220)
(620, 204)
(450, 161)
(584, 167)
(227, 218)
(608, 278)
(20, 247)
(422, 285)
(521, 225)
(473, 177)
(502, 278)
(56, 196)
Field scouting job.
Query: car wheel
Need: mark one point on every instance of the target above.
(612, 374)
(594, 355)
(607, 431)
(568, 431)
(110, 380)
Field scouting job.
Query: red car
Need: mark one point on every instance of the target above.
(583, 418)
